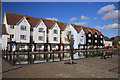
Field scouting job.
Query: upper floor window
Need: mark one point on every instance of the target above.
(23, 37)
(40, 29)
(23, 27)
(101, 41)
(40, 38)
(55, 39)
(66, 39)
(53, 46)
(95, 35)
(81, 40)
(11, 36)
(55, 31)
(89, 35)
(95, 41)
(101, 37)
(81, 34)
(11, 26)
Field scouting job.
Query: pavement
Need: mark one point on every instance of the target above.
(85, 68)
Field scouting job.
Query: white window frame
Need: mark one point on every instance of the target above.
(55, 31)
(95, 41)
(53, 46)
(39, 46)
(55, 39)
(11, 26)
(22, 27)
(101, 37)
(22, 37)
(95, 35)
(22, 46)
(89, 40)
(89, 35)
(40, 29)
(41, 38)
(101, 41)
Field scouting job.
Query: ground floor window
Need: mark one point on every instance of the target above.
(22, 46)
(53, 46)
(39, 46)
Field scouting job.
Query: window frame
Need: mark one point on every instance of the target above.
(11, 26)
(22, 37)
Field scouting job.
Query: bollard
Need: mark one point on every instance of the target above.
(46, 57)
(14, 58)
(60, 56)
(28, 57)
(53, 56)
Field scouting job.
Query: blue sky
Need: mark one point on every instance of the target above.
(100, 15)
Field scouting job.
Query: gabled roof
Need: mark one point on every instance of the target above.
(85, 29)
(77, 27)
(48, 23)
(3, 29)
(13, 19)
(61, 25)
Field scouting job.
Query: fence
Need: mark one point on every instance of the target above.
(15, 58)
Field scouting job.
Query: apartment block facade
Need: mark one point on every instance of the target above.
(38, 34)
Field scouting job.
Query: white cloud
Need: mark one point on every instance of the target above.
(95, 18)
(52, 19)
(110, 26)
(112, 15)
(73, 19)
(84, 18)
(80, 23)
(106, 8)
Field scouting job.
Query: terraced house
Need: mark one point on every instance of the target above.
(85, 36)
(37, 34)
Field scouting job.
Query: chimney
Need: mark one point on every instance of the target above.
(25, 14)
(40, 17)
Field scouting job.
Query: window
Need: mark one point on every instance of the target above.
(11, 36)
(89, 35)
(95, 35)
(66, 39)
(81, 40)
(40, 38)
(95, 41)
(65, 46)
(23, 27)
(53, 46)
(23, 37)
(22, 46)
(89, 40)
(101, 41)
(101, 36)
(40, 29)
(81, 34)
(11, 26)
(39, 46)
(55, 32)
(55, 39)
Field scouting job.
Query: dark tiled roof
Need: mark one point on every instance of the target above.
(77, 27)
(106, 38)
(49, 23)
(13, 19)
(61, 25)
(3, 29)
(86, 29)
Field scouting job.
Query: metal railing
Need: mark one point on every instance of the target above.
(15, 58)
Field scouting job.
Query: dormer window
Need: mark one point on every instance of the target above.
(89, 35)
(101, 37)
(81, 34)
(23, 27)
(11, 26)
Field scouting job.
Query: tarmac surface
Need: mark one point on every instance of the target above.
(85, 68)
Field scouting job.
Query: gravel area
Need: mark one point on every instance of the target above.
(85, 68)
